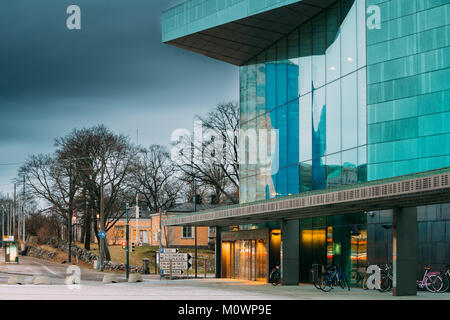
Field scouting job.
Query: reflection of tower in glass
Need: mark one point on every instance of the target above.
(319, 138)
(285, 119)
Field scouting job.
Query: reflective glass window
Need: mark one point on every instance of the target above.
(349, 111)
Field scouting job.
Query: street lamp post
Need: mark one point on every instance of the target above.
(195, 230)
(3, 221)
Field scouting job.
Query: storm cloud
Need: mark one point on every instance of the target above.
(115, 71)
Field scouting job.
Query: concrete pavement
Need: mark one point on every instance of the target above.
(92, 288)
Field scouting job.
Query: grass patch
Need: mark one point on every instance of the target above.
(118, 255)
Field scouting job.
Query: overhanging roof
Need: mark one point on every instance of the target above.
(235, 33)
(424, 188)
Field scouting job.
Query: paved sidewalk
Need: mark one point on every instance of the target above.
(200, 289)
(92, 288)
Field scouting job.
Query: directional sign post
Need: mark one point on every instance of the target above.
(176, 265)
(175, 256)
(171, 262)
(174, 272)
(168, 250)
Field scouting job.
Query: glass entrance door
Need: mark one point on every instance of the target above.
(245, 260)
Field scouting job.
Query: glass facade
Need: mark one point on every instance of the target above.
(339, 240)
(408, 83)
(304, 100)
(195, 15)
(360, 92)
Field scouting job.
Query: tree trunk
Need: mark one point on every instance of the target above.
(106, 249)
(87, 231)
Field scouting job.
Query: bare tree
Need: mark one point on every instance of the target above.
(103, 161)
(155, 178)
(214, 161)
(52, 180)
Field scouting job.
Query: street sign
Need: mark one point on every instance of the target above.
(174, 272)
(102, 234)
(175, 257)
(168, 250)
(176, 265)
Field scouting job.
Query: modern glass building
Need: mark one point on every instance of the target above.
(356, 90)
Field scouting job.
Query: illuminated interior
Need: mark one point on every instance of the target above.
(245, 259)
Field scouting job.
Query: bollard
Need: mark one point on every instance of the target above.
(146, 265)
(42, 280)
(16, 280)
(110, 278)
(135, 277)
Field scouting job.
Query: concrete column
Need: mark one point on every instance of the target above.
(218, 253)
(404, 247)
(290, 264)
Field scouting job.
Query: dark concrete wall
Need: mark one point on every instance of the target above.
(290, 252)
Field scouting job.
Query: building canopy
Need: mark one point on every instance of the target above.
(235, 31)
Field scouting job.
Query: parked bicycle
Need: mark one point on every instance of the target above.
(275, 276)
(386, 278)
(445, 276)
(432, 281)
(333, 276)
(360, 278)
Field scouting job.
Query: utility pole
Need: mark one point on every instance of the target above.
(23, 214)
(69, 216)
(14, 213)
(3, 220)
(128, 243)
(102, 215)
(137, 219)
(8, 223)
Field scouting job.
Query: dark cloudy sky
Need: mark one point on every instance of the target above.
(114, 71)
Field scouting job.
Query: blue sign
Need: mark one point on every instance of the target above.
(102, 234)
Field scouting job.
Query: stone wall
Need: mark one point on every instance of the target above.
(77, 252)
(41, 253)
(89, 257)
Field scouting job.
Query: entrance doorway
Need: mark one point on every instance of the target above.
(244, 258)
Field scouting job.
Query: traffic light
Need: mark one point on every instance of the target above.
(124, 245)
(133, 245)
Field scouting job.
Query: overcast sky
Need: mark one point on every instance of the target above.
(114, 71)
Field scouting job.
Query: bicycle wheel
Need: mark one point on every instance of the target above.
(446, 283)
(433, 283)
(438, 284)
(325, 283)
(273, 278)
(385, 283)
(317, 283)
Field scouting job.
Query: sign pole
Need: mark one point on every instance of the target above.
(128, 243)
(160, 245)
